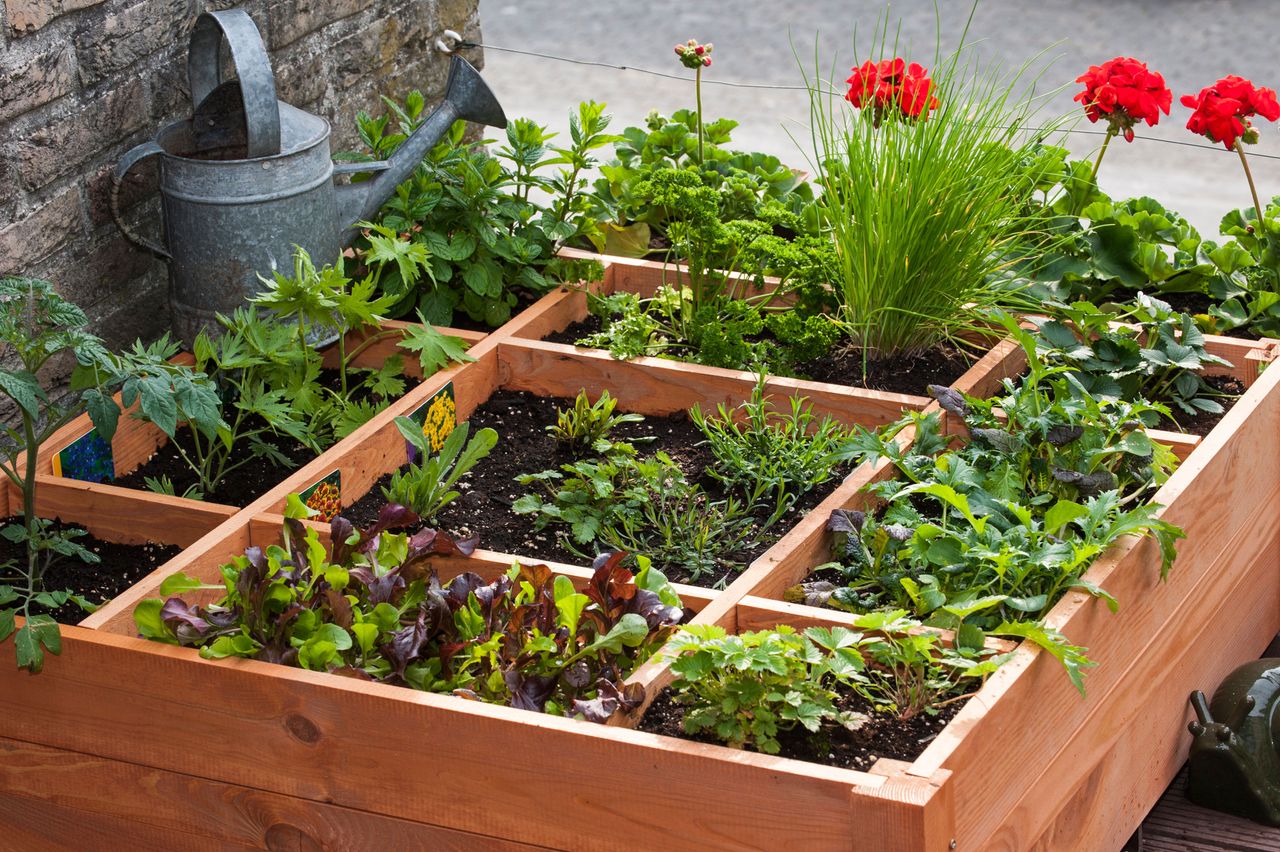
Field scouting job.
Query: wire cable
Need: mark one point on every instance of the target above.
(458, 43)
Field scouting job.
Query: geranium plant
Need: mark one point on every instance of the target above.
(891, 85)
(696, 56)
(1221, 112)
(1122, 92)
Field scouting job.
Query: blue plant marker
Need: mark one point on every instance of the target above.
(87, 458)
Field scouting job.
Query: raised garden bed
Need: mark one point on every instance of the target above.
(286, 755)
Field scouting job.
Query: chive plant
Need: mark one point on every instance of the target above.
(924, 195)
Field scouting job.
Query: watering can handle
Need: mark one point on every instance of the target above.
(131, 159)
(257, 81)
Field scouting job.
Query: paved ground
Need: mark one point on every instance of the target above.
(1191, 42)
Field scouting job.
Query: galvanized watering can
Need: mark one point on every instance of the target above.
(248, 177)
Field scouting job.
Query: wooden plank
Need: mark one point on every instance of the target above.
(1247, 357)
(1006, 360)
(127, 515)
(658, 386)
(1129, 749)
(489, 564)
(808, 543)
(1179, 825)
(54, 799)
(1029, 706)
(314, 736)
(554, 312)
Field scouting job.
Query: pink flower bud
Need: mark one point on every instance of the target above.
(706, 60)
(679, 50)
(699, 50)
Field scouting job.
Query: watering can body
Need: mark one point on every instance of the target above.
(248, 179)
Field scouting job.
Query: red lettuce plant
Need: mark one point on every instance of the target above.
(372, 606)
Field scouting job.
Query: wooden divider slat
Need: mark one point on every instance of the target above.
(127, 515)
(659, 386)
(1108, 777)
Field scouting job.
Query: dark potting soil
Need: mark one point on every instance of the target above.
(881, 735)
(909, 374)
(246, 483)
(520, 419)
(1199, 303)
(238, 488)
(1202, 423)
(122, 565)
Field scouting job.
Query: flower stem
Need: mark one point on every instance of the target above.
(1253, 190)
(1093, 175)
(697, 93)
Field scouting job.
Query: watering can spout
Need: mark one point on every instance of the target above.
(466, 97)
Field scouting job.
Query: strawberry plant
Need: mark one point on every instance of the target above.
(745, 688)
(987, 536)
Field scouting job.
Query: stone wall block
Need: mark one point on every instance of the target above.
(45, 77)
(35, 237)
(290, 20)
(73, 137)
(107, 46)
(27, 16)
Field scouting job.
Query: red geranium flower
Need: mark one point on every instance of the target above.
(1221, 112)
(1124, 91)
(892, 84)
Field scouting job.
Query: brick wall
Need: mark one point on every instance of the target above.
(82, 81)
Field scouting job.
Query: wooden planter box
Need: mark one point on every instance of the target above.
(123, 741)
(136, 441)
